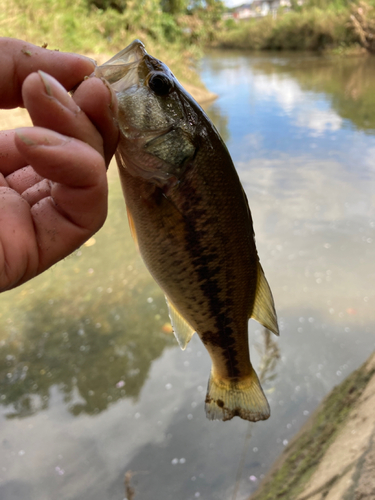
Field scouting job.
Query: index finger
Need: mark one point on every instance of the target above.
(18, 59)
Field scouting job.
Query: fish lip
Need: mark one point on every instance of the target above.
(121, 71)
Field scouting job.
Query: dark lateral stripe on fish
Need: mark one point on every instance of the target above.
(224, 337)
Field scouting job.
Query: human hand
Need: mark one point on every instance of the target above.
(53, 185)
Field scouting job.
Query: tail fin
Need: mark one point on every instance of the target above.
(242, 398)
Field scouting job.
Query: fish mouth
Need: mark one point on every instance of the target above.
(121, 71)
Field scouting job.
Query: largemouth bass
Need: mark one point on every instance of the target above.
(191, 221)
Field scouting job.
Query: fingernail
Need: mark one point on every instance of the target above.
(57, 91)
(113, 103)
(26, 140)
(91, 60)
(46, 80)
(36, 137)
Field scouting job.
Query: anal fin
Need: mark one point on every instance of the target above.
(264, 309)
(181, 328)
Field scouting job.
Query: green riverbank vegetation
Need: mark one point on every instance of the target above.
(178, 30)
(316, 25)
(175, 30)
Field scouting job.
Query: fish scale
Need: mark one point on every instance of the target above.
(190, 218)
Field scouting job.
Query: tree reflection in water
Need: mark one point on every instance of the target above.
(94, 359)
(347, 81)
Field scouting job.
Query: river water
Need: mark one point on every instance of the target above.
(92, 383)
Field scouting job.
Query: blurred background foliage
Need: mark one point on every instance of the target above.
(177, 29)
(315, 25)
(173, 30)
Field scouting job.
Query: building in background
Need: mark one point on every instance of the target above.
(258, 8)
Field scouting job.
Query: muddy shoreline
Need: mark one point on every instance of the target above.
(333, 455)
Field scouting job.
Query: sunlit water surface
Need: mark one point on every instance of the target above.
(92, 381)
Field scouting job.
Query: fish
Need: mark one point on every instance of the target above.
(191, 222)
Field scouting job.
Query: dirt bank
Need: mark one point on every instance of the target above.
(333, 456)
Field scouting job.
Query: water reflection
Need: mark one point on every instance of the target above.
(316, 226)
(294, 104)
(92, 364)
(346, 82)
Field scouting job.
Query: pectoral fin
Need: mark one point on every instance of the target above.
(264, 309)
(181, 328)
(133, 232)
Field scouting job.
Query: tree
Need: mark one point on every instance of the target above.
(174, 6)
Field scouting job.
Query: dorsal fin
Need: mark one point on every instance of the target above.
(264, 309)
(181, 328)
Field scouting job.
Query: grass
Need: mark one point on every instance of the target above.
(79, 26)
(75, 26)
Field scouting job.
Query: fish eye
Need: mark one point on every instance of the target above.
(160, 83)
